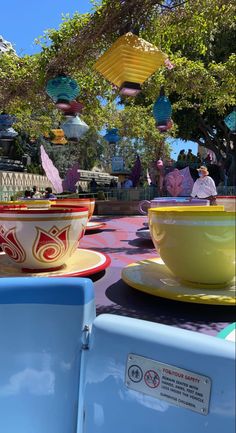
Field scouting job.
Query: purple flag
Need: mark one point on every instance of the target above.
(136, 171)
(72, 177)
(51, 171)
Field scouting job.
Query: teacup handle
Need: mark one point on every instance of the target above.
(144, 202)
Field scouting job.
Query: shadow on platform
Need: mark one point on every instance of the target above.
(127, 301)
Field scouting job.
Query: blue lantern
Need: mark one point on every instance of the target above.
(6, 130)
(112, 135)
(162, 111)
(230, 121)
(74, 127)
(6, 120)
(62, 89)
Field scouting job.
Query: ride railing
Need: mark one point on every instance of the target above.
(135, 194)
(105, 193)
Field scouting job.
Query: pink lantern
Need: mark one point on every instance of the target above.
(72, 108)
(159, 163)
(163, 128)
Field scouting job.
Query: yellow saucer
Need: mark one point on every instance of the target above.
(152, 276)
(82, 263)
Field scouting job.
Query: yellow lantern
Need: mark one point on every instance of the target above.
(129, 62)
(59, 136)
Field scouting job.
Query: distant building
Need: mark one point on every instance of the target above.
(6, 46)
(100, 177)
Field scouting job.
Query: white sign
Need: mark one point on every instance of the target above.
(117, 164)
(167, 382)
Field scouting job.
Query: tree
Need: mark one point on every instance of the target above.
(197, 35)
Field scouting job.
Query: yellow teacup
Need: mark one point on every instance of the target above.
(196, 243)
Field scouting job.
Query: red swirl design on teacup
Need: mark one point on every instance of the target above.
(10, 244)
(51, 245)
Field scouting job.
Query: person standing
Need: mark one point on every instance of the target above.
(181, 155)
(190, 157)
(204, 187)
(93, 185)
(128, 183)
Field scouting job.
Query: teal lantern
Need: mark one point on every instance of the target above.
(162, 111)
(62, 90)
(112, 136)
(74, 128)
(230, 121)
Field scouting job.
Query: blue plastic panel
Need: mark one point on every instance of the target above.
(111, 407)
(40, 341)
(58, 291)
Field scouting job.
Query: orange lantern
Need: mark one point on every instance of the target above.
(58, 136)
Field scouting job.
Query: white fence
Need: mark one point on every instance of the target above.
(12, 182)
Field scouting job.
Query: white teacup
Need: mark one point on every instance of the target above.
(41, 240)
(170, 201)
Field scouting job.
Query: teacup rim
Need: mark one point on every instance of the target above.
(76, 199)
(53, 209)
(190, 209)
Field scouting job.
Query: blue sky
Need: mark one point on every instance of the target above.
(22, 21)
(178, 145)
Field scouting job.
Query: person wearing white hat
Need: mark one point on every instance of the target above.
(204, 187)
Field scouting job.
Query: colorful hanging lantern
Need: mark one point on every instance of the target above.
(163, 128)
(129, 62)
(72, 108)
(162, 112)
(230, 121)
(130, 89)
(112, 136)
(6, 130)
(62, 90)
(8, 133)
(6, 120)
(58, 137)
(74, 127)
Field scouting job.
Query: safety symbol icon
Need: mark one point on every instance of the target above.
(135, 373)
(152, 379)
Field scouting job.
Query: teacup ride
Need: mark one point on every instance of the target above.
(63, 370)
(228, 201)
(86, 202)
(197, 256)
(228, 333)
(30, 203)
(44, 242)
(144, 205)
